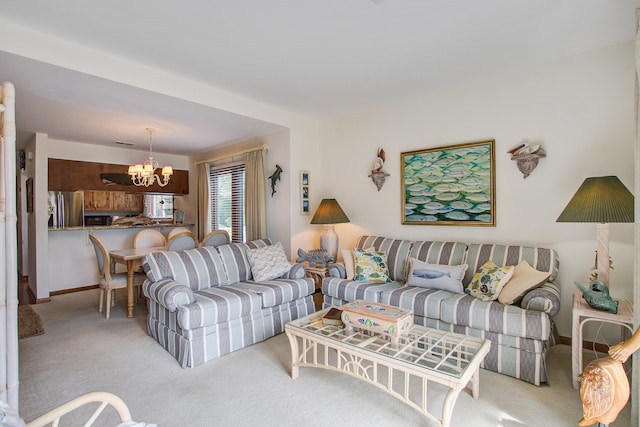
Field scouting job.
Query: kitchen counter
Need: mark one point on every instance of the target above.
(119, 227)
(72, 258)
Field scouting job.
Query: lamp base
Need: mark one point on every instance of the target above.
(329, 241)
(602, 233)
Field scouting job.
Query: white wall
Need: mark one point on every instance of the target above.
(71, 150)
(36, 169)
(580, 109)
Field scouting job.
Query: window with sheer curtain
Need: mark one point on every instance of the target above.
(227, 199)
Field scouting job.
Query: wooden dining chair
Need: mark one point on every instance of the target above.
(109, 282)
(216, 238)
(182, 241)
(149, 238)
(175, 231)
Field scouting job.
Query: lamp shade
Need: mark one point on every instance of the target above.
(601, 199)
(329, 212)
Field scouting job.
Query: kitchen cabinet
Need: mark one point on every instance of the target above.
(136, 202)
(72, 175)
(126, 202)
(98, 201)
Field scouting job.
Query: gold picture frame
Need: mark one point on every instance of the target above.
(450, 185)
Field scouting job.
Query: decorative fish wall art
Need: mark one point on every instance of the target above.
(451, 185)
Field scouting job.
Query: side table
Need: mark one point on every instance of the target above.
(583, 313)
(317, 274)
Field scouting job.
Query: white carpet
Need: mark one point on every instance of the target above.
(82, 352)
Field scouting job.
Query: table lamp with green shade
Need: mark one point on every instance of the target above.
(329, 213)
(602, 200)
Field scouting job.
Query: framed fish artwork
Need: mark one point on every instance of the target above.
(450, 185)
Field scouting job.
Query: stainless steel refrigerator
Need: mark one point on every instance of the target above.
(66, 209)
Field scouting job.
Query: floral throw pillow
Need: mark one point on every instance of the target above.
(489, 281)
(349, 264)
(370, 266)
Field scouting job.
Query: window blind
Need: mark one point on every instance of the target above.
(227, 199)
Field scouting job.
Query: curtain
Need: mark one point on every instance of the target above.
(9, 251)
(255, 196)
(204, 204)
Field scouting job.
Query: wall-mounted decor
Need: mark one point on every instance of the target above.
(527, 157)
(452, 185)
(377, 175)
(304, 192)
(275, 177)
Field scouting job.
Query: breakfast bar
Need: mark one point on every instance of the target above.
(70, 250)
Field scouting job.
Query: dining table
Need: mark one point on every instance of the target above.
(131, 257)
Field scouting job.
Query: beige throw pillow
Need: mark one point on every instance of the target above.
(523, 280)
(349, 263)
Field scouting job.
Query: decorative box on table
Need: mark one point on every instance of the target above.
(379, 318)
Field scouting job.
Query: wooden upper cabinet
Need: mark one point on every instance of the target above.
(73, 175)
(98, 201)
(127, 202)
(120, 201)
(136, 202)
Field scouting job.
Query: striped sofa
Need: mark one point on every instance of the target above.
(203, 303)
(520, 335)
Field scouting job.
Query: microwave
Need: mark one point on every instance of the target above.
(97, 220)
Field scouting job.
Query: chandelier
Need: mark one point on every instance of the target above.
(144, 174)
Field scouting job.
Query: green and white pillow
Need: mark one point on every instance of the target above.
(489, 281)
(370, 266)
(349, 263)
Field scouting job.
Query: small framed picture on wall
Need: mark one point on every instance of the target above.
(304, 192)
(30, 195)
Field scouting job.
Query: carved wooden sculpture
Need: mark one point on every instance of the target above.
(377, 175)
(526, 157)
(604, 387)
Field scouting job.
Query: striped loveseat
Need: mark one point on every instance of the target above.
(203, 302)
(520, 335)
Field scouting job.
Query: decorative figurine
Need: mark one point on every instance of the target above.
(316, 257)
(377, 175)
(527, 157)
(597, 296)
(604, 386)
(604, 391)
(275, 176)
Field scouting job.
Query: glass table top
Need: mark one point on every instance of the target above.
(441, 351)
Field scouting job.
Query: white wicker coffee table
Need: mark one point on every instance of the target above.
(423, 354)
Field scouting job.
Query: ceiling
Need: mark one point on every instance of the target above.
(320, 58)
